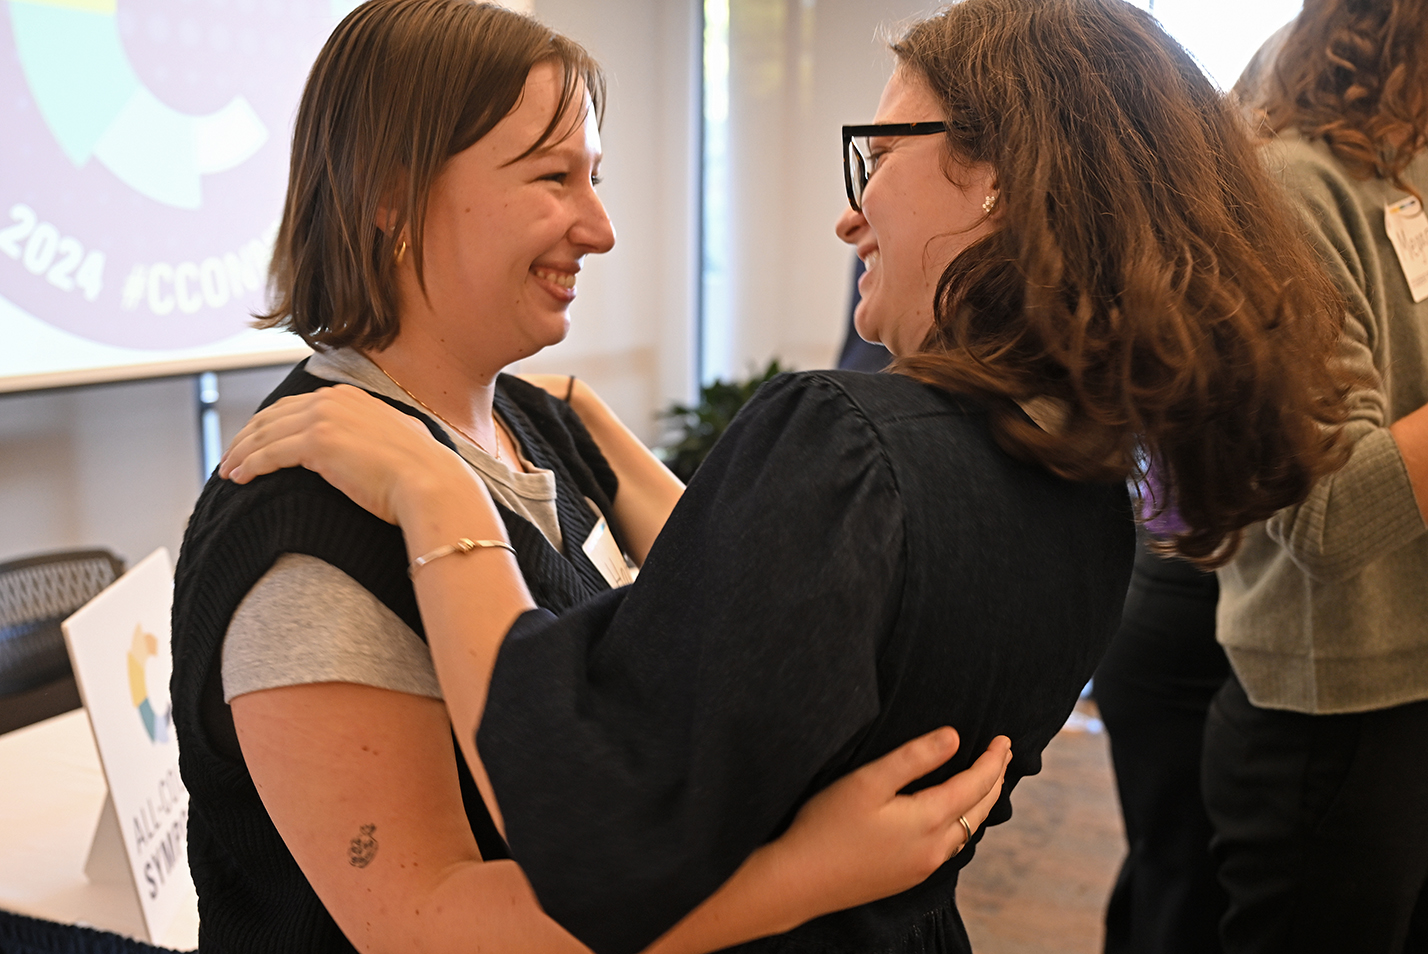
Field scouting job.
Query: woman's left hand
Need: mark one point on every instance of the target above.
(863, 840)
(648, 491)
(367, 449)
(856, 841)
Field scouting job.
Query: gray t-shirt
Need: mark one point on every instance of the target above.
(306, 621)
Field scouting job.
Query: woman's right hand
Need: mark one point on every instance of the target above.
(388, 464)
(367, 449)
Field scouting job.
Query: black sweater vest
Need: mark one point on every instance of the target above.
(252, 895)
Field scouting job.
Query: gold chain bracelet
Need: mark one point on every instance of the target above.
(464, 545)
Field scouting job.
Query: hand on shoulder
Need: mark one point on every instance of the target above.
(372, 452)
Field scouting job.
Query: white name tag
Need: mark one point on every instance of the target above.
(1407, 228)
(602, 550)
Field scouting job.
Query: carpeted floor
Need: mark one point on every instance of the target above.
(1039, 883)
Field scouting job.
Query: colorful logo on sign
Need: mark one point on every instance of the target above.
(144, 648)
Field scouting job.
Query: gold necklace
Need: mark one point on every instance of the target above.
(495, 421)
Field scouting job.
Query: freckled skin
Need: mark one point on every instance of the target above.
(492, 223)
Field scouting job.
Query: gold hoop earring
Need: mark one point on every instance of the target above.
(401, 250)
(989, 203)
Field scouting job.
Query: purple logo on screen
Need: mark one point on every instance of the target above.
(144, 160)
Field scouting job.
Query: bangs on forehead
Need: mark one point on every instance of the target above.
(399, 88)
(578, 75)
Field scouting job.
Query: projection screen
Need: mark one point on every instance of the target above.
(143, 157)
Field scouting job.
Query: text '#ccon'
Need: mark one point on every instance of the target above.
(187, 287)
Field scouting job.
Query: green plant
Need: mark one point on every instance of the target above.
(693, 430)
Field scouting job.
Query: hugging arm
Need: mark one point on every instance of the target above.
(362, 784)
(854, 842)
(468, 602)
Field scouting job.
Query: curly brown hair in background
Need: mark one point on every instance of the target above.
(1146, 270)
(1354, 73)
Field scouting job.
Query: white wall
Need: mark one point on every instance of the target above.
(1201, 26)
(799, 70)
(632, 324)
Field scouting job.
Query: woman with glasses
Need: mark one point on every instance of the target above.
(440, 204)
(1074, 255)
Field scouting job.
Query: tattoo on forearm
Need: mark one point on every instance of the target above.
(363, 848)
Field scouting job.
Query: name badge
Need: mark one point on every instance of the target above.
(602, 550)
(1407, 229)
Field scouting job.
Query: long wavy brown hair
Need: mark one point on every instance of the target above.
(1353, 73)
(1146, 271)
(399, 88)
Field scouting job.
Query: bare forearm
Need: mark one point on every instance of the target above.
(476, 907)
(855, 842)
(648, 491)
(765, 896)
(490, 907)
(468, 601)
(1411, 435)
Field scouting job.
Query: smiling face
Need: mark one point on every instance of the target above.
(920, 210)
(504, 240)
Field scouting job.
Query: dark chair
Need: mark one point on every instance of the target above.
(36, 594)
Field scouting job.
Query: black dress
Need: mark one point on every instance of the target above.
(855, 564)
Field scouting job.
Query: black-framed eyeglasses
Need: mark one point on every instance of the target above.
(857, 167)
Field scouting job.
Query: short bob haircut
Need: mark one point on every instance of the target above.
(1146, 272)
(399, 88)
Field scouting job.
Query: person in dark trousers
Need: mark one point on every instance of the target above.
(1153, 690)
(1315, 773)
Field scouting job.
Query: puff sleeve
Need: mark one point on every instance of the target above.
(642, 745)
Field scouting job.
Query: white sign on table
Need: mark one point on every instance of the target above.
(119, 647)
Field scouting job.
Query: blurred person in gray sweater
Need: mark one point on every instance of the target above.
(1315, 776)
